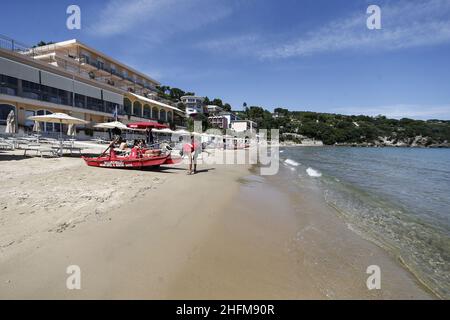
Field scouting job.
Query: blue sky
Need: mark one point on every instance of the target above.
(313, 55)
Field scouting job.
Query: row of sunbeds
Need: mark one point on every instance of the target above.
(41, 147)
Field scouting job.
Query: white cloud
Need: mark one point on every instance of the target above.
(404, 25)
(156, 19)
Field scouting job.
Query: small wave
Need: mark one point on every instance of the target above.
(291, 162)
(313, 173)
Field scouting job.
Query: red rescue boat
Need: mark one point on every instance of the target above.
(138, 158)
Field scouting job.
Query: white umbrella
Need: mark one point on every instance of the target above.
(60, 118)
(182, 132)
(11, 123)
(166, 130)
(112, 125)
(71, 130)
(36, 127)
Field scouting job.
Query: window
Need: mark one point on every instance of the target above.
(155, 113)
(137, 109)
(31, 90)
(110, 107)
(80, 101)
(85, 58)
(8, 85)
(5, 109)
(162, 115)
(54, 95)
(147, 112)
(127, 106)
(94, 104)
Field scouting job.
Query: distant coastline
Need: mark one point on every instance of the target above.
(401, 144)
(364, 145)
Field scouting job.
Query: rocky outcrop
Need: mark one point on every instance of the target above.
(416, 142)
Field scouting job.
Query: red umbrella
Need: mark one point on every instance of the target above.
(147, 124)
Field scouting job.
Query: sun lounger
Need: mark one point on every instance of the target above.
(100, 140)
(40, 150)
(6, 146)
(66, 146)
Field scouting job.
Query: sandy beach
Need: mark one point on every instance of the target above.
(224, 233)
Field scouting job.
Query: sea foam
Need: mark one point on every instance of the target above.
(291, 162)
(313, 173)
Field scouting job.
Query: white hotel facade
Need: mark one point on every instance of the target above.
(74, 78)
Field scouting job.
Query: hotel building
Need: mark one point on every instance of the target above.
(222, 120)
(74, 78)
(244, 126)
(194, 105)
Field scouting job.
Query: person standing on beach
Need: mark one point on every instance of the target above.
(117, 133)
(192, 150)
(150, 139)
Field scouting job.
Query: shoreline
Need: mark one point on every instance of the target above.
(229, 235)
(362, 146)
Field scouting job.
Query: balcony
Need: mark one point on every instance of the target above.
(115, 75)
(127, 80)
(86, 66)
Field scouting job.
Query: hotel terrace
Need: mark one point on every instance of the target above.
(74, 78)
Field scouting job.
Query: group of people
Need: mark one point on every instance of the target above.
(191, 149)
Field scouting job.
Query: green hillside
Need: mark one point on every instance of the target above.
(343, 129)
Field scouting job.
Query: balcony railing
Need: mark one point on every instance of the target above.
(12, 45)
(15, 46)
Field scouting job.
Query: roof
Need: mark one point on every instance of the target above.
(192, 97)
(116, 62)
(156, 102)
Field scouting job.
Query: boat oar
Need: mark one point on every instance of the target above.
(110, 145)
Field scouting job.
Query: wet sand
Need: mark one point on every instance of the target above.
(223, 233)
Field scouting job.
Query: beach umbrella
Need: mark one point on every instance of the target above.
(11, 123)
(60, 118)
(71, 132)
(182, 132)
(36, 127)
(167, 130)
(112, 125)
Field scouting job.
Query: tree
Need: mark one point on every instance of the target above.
(227, 107)
(281, 112)
(42, 43)
(217, 102)
(206, 102)
(176, 94)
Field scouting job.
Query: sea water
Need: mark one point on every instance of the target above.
(396, 197)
